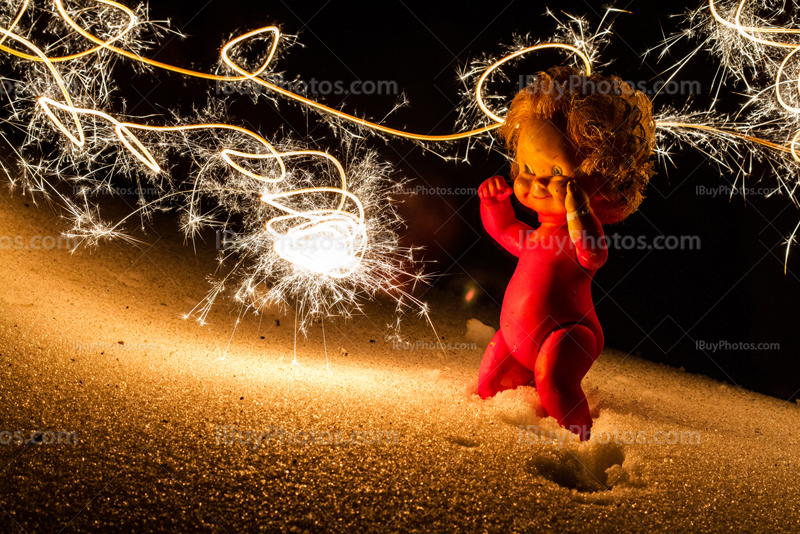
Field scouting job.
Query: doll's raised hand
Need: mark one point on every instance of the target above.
(576, 198)
(494, 190)
(585, 229)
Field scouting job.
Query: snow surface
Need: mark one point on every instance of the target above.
(95, 343)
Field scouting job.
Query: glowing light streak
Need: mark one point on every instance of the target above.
(748, 33)
(752, 42)
(323, 232)
(253, 76)
(321, 225)
(478, 88)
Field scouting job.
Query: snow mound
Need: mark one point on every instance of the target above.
(479, 333)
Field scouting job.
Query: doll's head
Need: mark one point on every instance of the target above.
(593, 129)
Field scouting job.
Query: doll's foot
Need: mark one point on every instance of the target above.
(565, 358)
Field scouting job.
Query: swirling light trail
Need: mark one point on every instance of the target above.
(478, 91)
(322, 225)
(253, 76)
(743, 31)
(747, 51)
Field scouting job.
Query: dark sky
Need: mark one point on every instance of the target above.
(659, 303)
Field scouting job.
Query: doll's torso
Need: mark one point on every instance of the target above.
(549, 289)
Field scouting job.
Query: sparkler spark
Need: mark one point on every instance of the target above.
(753, 41)
(317, 247)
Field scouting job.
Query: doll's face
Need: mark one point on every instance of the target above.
(544, 164)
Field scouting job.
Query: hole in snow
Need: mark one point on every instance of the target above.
(579, 468)
(464, 442)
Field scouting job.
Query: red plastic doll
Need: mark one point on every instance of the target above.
(582, 148)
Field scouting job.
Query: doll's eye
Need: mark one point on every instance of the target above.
(557, 171)
(528, 169)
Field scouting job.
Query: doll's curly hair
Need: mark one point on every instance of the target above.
(609, 125)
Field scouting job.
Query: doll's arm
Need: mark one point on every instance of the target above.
(498, 216)
(585, 229)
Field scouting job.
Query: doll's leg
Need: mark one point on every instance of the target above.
(500, 370)
(564, 359)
